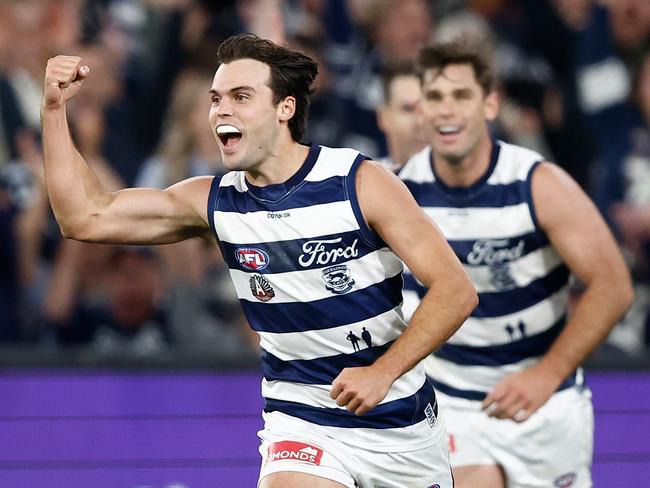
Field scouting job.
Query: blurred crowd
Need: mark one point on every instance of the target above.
(575, 84)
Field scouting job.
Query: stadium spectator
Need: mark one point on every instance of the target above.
(398, 115)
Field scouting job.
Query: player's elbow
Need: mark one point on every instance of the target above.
(76, 228)
(467, 298)
(625, 293)
(616, 285)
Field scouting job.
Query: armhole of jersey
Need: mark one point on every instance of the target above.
(368, 235)
(529, 196)
(212, 203)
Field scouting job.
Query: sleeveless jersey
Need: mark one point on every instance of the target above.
(324, 293)
(522, 283)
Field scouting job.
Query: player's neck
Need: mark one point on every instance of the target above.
(286, 158)
(467, 171)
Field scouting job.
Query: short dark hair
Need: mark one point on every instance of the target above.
(392, 70)
(440, 55)
(292, 72)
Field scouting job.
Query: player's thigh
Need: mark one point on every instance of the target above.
(297, 480)
(483, 476)
(479, 476)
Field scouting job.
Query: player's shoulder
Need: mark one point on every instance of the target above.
(418, 167)
(513, 163)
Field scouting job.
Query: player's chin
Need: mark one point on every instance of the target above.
(232, 162)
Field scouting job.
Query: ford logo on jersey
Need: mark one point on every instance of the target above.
(252, 258)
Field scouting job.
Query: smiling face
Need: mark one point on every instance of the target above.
(456, 111)
(245, 121)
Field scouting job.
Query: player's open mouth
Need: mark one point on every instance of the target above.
(449, 130)
(229, 135)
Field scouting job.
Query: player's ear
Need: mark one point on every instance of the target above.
(491, 105)
(286, 108)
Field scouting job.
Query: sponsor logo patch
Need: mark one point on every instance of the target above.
(261, 288)
(495, 251)
(252, 258)
(431, 415)
(338, 279)
(295, 451)
(326, 251)
(565, 480)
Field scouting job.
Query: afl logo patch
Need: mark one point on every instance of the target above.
(252, 258)
(565, 481)
(338, 279)
(261, 288)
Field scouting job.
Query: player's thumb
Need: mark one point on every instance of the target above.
(82, 73)
(74, 86)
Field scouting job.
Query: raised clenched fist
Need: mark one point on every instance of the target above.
(63, 78)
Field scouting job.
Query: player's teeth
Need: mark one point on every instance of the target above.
(227, 129)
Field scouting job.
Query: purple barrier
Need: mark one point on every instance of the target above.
(140, 430)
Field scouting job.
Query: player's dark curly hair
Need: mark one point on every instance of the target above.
(292, 73)
(460, 51)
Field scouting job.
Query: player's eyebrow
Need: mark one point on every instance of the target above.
(234, 90)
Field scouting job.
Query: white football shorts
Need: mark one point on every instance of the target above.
(552, 449)
(292, 444)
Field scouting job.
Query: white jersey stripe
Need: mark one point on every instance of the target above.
(482, 332)
(477, 378)
(308, 285)
(523, 271)
(315, 344)
(306, 222)
(479, 223)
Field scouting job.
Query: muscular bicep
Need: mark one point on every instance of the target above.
(392, 212)
(151, 216)
(574, 225)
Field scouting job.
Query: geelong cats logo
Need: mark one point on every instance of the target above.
(338, 279)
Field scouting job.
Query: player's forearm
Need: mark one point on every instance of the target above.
(598, 310)
(442, 311)
(74, 191)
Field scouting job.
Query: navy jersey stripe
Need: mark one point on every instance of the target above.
(368, 234)
(429, 194)
(304, 194)
(411, 284)
(480, 395)
(508, 353)
(498, 303)
(319, 371)
(213, 196)
(283, 256)
(326, 313)
(398, 413)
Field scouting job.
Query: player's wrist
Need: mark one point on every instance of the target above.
(52, 107)
(553, 370)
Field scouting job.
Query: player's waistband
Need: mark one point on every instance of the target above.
(402, 412)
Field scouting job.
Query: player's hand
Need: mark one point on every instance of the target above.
(360, 389)
(519, 395)
(63, 78)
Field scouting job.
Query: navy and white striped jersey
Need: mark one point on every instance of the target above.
(522, 283)
(324, 293)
